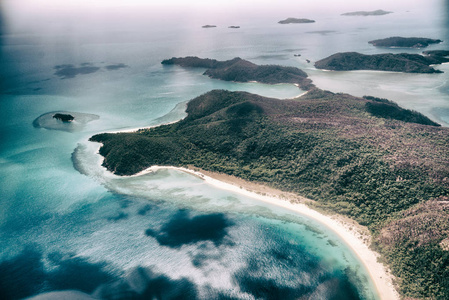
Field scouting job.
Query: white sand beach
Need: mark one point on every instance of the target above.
(348, 230)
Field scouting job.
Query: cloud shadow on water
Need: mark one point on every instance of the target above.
(70, 71)
(24, 275)
(76, 273)
(183, 229)
(144, 283)
(116, 67)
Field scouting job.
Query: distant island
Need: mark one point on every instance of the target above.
(402, 42)
(378, 12)
(234, 27)
(209, 26)
(367, 158)
(64, 117)
(241, 70)
(296, 21)
(408, 63)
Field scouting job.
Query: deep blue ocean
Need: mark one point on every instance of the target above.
(66, 224)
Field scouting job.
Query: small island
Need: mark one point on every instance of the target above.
(241, 70)
(234, 27)
(296, 21)
(64, 121)
(209, 26)
(378, 12)
(402, 42)
(64, 117)
(403, 62)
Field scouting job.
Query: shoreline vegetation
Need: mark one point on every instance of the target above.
(365, 158)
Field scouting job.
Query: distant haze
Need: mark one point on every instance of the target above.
(23, 15)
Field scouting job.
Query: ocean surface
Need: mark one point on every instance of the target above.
(66, 224)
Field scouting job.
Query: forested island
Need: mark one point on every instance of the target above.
(296, 21)
(403, 62)
(241, 70)
(402, 42)
(378, 12)
(382, 165)
(64, 117)
(63, 120)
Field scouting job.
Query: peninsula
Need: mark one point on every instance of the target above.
(403, 62)
(378, 12)
(367, 158)
(296, 21)
(437, 53)
(241, 70)
(402, 42)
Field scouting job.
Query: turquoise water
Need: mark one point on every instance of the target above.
(67, 224)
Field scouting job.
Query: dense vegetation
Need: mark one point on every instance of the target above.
(384, 108)
(403, 62)
(241, 70)
(402, 42)
(64, 117)
(363, 157)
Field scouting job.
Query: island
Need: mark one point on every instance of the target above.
(402, 42)
(296, 21)
(234, 27)
(241, 70)
(64, 120)
(209, 26)
(367, 158)
(378, 12)
(64, 117)
(403, 62)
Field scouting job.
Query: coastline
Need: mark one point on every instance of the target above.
(353, 234)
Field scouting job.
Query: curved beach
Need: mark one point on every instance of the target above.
(348, 230)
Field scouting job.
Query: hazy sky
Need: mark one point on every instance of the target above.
(210, 4)
(24, 15)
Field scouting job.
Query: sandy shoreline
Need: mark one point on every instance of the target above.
(357, 240)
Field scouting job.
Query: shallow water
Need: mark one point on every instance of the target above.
(62, 216)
